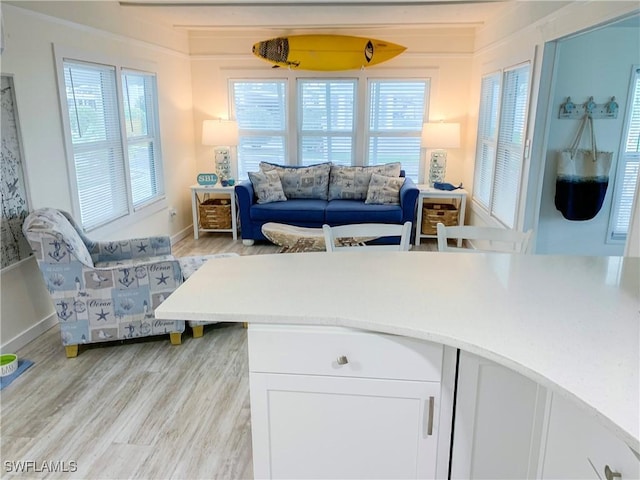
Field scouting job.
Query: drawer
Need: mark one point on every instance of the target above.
(577, 446)
(345, 352)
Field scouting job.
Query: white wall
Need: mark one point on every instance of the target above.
(28, 54)
(594, 64)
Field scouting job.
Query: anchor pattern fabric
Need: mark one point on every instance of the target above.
(103, 290)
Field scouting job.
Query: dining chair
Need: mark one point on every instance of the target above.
(483, 239)
(354, 236)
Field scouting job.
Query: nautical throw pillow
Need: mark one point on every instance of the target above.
(352, 183)
(267, 187)
(302, 182)
(384, 190)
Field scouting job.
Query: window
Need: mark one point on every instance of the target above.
(487, 138)
(114, 175)
(142, 140)
(628, 164)
(396, 115)
(260, 108)
(326, 110)
(501, 137)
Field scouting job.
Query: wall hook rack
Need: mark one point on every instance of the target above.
(571, 110)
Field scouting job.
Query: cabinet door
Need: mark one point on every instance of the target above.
(498, 422)
(578, 447)
(306, 426)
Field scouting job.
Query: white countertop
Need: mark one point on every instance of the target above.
(569, 323)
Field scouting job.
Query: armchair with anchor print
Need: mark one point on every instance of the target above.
(104, 291)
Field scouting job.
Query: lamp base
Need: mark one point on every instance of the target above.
(223, 163)
(437, 166)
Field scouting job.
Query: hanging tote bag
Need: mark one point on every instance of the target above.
(583, 177)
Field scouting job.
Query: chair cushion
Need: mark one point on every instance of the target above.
(340, 212)
(189, 265)
(352, 183)
(297, 211)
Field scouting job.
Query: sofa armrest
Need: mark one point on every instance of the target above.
(408, 200)
(142, 247)
(245, 198)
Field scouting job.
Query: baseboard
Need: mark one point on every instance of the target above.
(20, 340)
(185, 232)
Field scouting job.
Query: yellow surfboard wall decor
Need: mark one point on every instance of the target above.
(326, 52)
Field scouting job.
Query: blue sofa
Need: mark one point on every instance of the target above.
(315, 213)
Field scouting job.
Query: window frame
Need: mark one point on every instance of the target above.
(361, 117)
(625, 159)
(144, 209)
(152, 137)
(329, 133)
(243, 133)
(369, 133)
(489, 208)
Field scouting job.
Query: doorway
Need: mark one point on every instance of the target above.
(597, 63)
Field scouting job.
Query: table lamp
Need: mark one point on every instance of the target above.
(438, 136)
(223, 134)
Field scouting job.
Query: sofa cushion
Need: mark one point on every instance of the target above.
(267, 187)
(384, 190)
(352, 183)
(297, 211)
(340, 212)
(302, 182)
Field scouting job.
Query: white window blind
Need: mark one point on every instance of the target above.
(259, 106)
(141, 126)
(326, 112)
(510, 150)
(396, 114)
(487, 139)
(499, 161)
(92, 104)
(628, 164)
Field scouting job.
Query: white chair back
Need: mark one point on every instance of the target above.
(355, 234)
(487, 239)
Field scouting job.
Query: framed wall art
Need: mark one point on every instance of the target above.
(13, 185)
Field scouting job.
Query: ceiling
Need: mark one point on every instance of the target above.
(314, 14)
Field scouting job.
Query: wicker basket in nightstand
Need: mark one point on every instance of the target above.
(434, 213)
(215, 213)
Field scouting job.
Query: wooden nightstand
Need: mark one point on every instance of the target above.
(195, 203)
(459, 196)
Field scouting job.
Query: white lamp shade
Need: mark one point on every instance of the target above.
(220, 132)
(441, 135)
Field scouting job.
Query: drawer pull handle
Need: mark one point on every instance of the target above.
(429, 416)
(342, 360)
(610, 474)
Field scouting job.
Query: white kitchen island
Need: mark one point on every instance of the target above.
(571, 324)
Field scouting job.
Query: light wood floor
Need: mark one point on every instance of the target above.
(137, 409)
